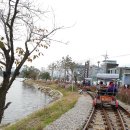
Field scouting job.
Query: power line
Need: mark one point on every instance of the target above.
(120, 55)
(105, 56)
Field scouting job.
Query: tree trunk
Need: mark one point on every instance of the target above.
(2, 103)
(52, 75)
(3, 91)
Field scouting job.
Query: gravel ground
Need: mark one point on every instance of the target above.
(126, 106)
(75, 118)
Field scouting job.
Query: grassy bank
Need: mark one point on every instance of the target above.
(43, 117)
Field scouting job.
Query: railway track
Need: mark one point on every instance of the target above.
(108, 118)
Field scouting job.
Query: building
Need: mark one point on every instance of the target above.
(124, 74)
(108, 64)
(93, 70)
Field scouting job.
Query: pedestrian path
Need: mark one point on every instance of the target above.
(75, 118)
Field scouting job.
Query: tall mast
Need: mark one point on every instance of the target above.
(106, 57)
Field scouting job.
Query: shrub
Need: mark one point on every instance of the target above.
(124, 94)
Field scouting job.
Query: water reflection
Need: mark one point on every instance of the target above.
(24, 100)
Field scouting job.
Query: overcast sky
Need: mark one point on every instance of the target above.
(96, 27)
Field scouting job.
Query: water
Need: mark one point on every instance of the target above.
(25, 100)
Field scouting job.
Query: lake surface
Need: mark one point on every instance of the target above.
(25, 100)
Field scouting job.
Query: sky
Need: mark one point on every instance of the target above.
(93, 28)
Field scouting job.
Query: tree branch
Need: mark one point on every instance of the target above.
(7, 105)
(16, 72)
(8, 16)
(6, 32)
(15, 13)
(43, 37)
(2, 63)
(58, 41)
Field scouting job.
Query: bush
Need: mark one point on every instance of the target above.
(124, 94)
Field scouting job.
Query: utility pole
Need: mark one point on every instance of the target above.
(98, 65)
(87, 68)
(106, 57)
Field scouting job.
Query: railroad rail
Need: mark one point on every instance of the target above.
(108, 118)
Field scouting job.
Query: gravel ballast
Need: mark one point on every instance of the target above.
(75, 118)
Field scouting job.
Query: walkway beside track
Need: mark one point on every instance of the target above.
(75, 118)
(126, 106)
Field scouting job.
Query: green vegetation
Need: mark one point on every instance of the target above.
(45, 75)
(43, 117)
(30, 72)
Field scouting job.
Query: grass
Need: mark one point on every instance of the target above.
(43, 117)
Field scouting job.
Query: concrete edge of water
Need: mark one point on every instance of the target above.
(55, 94)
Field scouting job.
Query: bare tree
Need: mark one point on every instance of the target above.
(59, 69)
(66, 61)
(72, 68)
(52, 67)
(20, 41)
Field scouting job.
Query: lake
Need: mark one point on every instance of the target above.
(25, 100)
